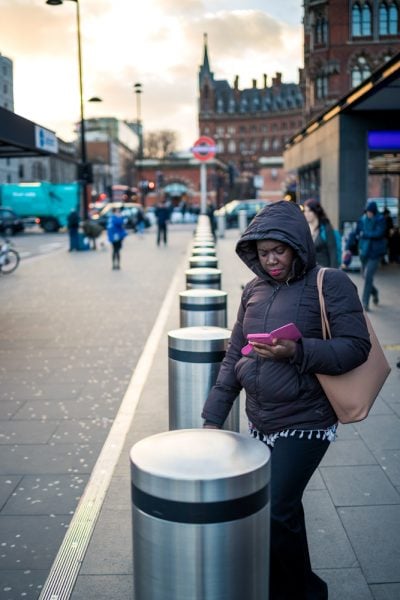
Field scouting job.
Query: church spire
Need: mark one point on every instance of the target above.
(206, 62)
(204, 71)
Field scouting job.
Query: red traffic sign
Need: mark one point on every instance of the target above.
(204, 148)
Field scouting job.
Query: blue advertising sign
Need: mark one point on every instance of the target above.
(384, 140)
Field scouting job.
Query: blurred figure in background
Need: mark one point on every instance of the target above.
(162, 213)
(73, 230)
(116, 233)
(372, 245)
(322, 233)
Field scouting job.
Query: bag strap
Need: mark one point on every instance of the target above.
(326, 330)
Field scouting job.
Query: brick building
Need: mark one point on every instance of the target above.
(344, 42)
(250, 124)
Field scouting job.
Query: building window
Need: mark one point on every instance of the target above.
(220, 146)
(388, 19)
(266, 144)
(21, 171)
(360, 71)
(321, 86)
(231, 146)
(321, 31)
(361, 20)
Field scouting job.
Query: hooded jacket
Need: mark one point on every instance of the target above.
(285, 394)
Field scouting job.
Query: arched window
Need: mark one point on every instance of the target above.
(366, 20)
(383, 19)
(220, 146)
(360, 71)
(356, 20)
(232, 146)
(266, 144)
(388, 19)
(393, 20)
(361, 20)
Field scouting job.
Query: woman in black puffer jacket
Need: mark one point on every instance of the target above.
(285, 404)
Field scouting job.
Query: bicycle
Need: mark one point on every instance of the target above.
(9, 258)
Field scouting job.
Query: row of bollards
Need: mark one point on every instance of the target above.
(200, 497)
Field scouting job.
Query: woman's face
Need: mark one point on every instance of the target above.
(276, 258)
(310, 216)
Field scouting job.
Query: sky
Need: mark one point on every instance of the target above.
(158, 43)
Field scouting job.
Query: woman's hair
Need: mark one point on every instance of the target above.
(317, 209)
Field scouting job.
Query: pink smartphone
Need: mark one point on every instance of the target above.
(286, 332)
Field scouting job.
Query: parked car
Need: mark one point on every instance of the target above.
(10, 223)
(231, 210)
(129, 212)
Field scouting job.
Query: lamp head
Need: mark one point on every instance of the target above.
(54, 2)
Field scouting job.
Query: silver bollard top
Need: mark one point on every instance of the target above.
(200, 465)
(199, 339)
(197, 296)
(203, 271)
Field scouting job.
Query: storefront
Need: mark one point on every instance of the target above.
(351, 151)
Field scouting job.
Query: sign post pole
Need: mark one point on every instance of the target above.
(203, 188)
(204, 149)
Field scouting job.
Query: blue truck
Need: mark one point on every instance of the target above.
(49, 204)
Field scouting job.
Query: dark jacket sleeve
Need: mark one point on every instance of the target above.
(227, 387)
(350, 345)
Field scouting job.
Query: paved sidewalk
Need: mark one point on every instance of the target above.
(352, 503)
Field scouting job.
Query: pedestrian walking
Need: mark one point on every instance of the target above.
(162, 213)
(370, 232)
(116, 233)
(286, 407)
(73, 230)
(322, 233)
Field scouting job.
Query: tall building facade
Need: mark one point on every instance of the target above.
(248, 124)
(6, 83)
(344, 42)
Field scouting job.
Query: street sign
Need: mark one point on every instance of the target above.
(45, 139)
(204, 148)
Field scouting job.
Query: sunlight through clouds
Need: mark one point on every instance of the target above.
(156, 42)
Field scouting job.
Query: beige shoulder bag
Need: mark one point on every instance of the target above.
(353, 393)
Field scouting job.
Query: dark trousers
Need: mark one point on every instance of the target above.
(73, 239)
(293, 461)
(116, 252)
(369, 268)
(162, 233)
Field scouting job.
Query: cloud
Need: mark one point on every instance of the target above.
(156, 42)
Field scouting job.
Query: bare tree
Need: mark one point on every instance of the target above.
(158, 144)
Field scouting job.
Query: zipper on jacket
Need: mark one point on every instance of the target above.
(268, 307)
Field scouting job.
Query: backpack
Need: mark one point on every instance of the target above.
(338, 241)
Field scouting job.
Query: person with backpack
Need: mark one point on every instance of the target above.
(370, 233)
(116, 233)
(327, 244)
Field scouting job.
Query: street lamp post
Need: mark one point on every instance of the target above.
(138, 91)
(84, 167)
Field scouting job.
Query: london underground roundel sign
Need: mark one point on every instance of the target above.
(204, 148)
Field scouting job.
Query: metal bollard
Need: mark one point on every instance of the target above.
(203, 307)
(221, 225)
(203, 278)
(200, 516)
(203, 261)
(194, 358)
(203, 244)
(242, 218)
(203, 251)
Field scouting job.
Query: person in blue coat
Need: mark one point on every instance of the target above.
(116, 233)
(370, 233)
